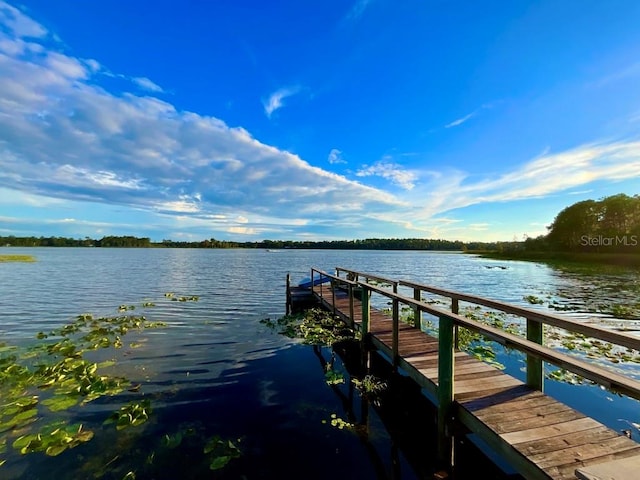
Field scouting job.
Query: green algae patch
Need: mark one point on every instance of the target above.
(17, 258)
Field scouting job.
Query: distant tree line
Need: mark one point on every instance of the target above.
(611, 224)
(130, 241)
(110, 241)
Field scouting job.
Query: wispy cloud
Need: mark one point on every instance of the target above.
(358, 9)
(146, 84)
(548, 174)
(460, 121)
(276, 99)
(469, 116)
(19, 24)
(335, 156)
(391, 171)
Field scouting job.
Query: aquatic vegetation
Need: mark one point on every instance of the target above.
(332, 377)
(220, 452)
(314, 326)
(338, 422)
(17, 258)
(534, 300)
(53, 439)
(55, 375)
(370, 387)
(131, 415)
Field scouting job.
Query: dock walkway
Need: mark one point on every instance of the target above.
(539, 436)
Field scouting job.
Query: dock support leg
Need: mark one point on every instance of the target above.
(535, 370)
(445, 390)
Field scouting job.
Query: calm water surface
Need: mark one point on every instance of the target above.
(216, 370)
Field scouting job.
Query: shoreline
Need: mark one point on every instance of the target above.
(618, 260)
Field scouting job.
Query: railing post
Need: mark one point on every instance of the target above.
(351, 313)
(535, 370)
(455, 308)
(288, 299)
(333, 296)
(394, 333)
(364, 327)
(445, 389)
(417, 313)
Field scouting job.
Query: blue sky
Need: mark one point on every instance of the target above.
(341, 119)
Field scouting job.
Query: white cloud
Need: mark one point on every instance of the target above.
(335, 156)
(19, 24)
(389, 170)
(548, 174)
(460, 121)
(63, 136)
(275, 100)
(146, 84)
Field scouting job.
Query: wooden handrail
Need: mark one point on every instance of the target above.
(368, 276)
(597, 374)
(619, 338)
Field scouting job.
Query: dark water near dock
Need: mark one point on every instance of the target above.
(216, 370)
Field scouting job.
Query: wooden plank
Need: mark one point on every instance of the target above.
(513, 422)
(543, 407)
(569, 471)
(514, 438)
(582, 453)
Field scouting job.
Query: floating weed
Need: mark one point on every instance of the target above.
(332, 377)
(131, 415)
(370, 387)
(338, 422)
(53, 439)
(220, 452)
(314, 326)
(532, 299)
(53, 376)
(192, 298)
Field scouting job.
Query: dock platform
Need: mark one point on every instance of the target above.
(541, 437)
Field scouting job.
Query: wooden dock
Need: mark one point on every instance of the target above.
(539, 436)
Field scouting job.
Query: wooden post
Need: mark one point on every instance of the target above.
(535, 370)
(417, 313)
(288, 299)
(395, 334)
(455, 308)
(445, 390)
(333, 296)
(351, 314)
(366, 314)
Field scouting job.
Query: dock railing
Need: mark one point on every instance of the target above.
(448, 321)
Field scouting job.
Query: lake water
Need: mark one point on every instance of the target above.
(215, 369)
